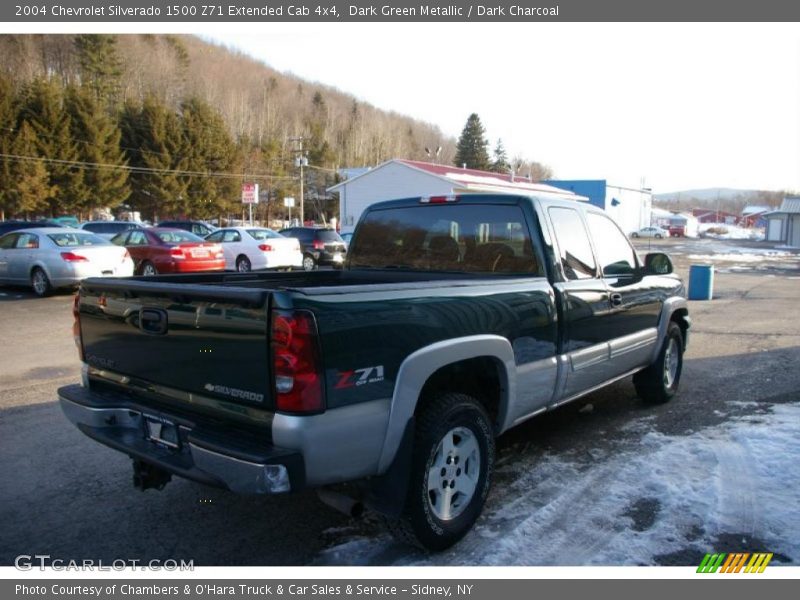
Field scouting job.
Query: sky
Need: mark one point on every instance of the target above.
(673, 106)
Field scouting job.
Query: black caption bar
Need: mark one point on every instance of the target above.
(375, 589)
(139, 11)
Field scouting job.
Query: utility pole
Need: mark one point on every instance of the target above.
(300, 161)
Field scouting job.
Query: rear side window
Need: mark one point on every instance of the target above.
(573, 242)
(137, 238)
(72, 239)
(263, 234)
(469, 238)
(7, 241)
(326, 235)
(27, 240)
(613, 250)
(231, 236)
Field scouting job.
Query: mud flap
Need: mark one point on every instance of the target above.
(387, 493)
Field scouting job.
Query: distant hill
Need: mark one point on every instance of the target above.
(706, 194)
(728, 199)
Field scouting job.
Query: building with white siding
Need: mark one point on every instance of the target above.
(400, 178)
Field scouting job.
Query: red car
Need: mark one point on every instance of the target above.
(163, 250)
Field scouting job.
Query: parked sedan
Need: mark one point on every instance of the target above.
(320, 246)
(162, 250)
(250, 248)
(651, 232)
(54, 257)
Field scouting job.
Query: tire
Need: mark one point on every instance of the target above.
(658, 236)
(243, 264)
(148, 269)
(40, 283)
(634, 235)
(453, 450)
(659, 382)
(309, 264)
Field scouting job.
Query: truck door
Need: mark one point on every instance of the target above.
(634, 301)
(585, 331)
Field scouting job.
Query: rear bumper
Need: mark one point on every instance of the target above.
(196, 266)
(208, 457)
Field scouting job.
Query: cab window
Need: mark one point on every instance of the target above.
(573, 243)
(613, 250)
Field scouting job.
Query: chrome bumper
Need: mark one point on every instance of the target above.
(123, 428)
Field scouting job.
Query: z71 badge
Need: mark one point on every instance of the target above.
(356, 377)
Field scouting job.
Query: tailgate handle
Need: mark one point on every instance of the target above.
(153, 321)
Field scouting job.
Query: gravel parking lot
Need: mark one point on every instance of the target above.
(595, 482)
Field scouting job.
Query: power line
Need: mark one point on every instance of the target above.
(140, 170)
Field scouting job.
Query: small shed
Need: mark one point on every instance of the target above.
(783, 225)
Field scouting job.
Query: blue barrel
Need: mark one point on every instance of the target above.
(701, 282)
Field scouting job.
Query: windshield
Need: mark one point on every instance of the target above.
(69, 239)
(468, 238)
(178, 236)
(263, 234)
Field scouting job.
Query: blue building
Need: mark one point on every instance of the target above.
(629, 207)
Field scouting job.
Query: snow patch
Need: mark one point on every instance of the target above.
(669, 494)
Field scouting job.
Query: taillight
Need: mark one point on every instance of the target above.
(265, 248)
(126, 256)
(296, 362)
(319, 245)
(176, 252)
(76, 324)
(72, 257)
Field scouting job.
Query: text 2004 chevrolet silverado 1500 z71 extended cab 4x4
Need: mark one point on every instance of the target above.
(454, 319)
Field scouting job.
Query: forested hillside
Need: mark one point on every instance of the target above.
(172, 125)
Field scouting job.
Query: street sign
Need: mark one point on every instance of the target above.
(288, 202)
(249, 193)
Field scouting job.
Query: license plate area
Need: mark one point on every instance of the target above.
(161, 432)
(200, 253)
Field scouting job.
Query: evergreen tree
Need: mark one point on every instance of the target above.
(209, 150)
(31, 189)
(101, 66)
(98, 138)
(500, 162)
(472, 145)
(43, 109)
(153, 137)
(9, 112)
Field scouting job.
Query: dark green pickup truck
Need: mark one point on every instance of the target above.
(454, 319)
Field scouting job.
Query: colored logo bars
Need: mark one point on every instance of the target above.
(734, 563)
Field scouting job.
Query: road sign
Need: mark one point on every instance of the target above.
(249, 193)
(289, 202)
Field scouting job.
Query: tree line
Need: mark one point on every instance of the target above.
(172, 125)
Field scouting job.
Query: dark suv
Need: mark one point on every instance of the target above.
(320, 246)
(200, 228)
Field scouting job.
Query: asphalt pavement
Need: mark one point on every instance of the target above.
(63, 495)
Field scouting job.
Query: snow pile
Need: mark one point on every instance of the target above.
(671, 495)
(731, 232)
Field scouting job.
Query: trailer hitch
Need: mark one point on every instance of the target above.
(146, 476)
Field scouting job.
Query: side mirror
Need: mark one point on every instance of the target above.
(657, 263)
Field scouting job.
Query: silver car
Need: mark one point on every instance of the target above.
(54, 257)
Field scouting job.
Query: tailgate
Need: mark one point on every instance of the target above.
(205, 340)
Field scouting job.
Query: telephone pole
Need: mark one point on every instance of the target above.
(300, 161)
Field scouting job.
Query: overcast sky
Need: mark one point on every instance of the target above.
(680, 106)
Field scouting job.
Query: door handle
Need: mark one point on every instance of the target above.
(616, 299)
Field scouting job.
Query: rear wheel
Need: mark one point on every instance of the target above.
(243, 264)
(658, 383)
(451, 473)
(658, 236)
(309, 264)
(40, 283)
(634, 235)
(149, 269)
